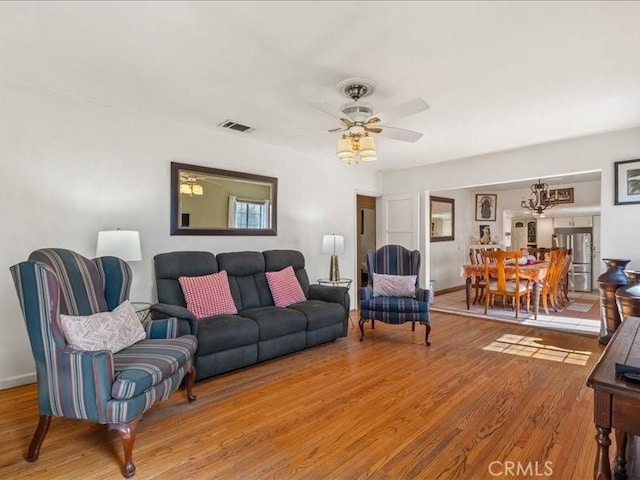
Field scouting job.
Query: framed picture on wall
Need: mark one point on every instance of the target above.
(485, 234)
(627, 182)
(561, 195)
(486, 206)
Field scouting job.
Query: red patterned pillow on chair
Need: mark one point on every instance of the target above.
(285, 288)
(208, 295)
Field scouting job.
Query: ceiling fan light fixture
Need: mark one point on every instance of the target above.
(344, 148)
(349, 160)
(367, 147)
(197, 189)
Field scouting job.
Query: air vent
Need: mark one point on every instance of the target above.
(238, 127)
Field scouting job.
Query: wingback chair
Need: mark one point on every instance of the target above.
(414, 307)
(99, 386)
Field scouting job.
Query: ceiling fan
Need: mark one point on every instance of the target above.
(358, 120)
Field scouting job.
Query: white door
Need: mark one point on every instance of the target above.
(399, 220)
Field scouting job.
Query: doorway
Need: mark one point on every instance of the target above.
(366, 221)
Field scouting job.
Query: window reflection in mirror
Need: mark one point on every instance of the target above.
(208, 201)
(442, 219)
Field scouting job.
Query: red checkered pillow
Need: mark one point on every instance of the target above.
(285, 288)
(208, 295)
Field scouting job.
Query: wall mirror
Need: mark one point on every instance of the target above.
(442, 218)
(209, 201)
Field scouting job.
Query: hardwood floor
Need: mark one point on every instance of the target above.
(385, 408)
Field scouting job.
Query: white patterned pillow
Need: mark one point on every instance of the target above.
(112, 331)
(394, 285)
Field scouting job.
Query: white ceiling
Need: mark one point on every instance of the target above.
(497, 75)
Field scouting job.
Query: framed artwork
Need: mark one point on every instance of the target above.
(486, 206)
(485, 234)
(627, 182)
(561, 195)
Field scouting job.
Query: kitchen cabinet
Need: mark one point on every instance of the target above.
(568, 222)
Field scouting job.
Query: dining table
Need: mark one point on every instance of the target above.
(534, 272)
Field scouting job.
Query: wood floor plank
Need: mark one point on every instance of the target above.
(385, 408)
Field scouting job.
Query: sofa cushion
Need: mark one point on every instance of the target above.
(149, 363)
(208, 295)
(246, 278)
(276, 260)
(285, 287)
(111, 331)
(276, 321)
(394, 304)
(170, 266)
(223, 332)
(320, 314)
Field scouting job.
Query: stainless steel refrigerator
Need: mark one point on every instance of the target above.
(579, 240)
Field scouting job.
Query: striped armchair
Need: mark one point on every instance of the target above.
(98, 386)
(394, 260)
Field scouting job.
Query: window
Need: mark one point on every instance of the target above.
(248, 213)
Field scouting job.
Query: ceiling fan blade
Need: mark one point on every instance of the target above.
(400, 134)
(333, 111)
(373, 129)
(411, 107)
(339, 129)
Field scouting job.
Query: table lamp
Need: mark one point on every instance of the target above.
(124, 244)
(333, 245)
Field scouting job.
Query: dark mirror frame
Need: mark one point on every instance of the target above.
(450, 201)
(175, 199)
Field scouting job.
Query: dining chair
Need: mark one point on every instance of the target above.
(551, 283)
(540, 253)
(502, 278)
(475, 256)
(563, 293)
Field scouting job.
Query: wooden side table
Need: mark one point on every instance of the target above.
(143, 309)
(342, 282)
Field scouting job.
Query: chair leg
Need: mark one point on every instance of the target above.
(361, 324)
(127, 432)
(413, 325)
(191, 379)
(38, 437)
(427, 331)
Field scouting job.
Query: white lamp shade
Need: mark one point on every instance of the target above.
(197, 189)
(348, 160)
(367, 147)
(124, 244)
(333, 244)
(344, 148)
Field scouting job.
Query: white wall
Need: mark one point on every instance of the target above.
(71, 167)
(597, 152)
(446, 257)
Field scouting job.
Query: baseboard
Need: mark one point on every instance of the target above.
(18, 380)
(449, 290)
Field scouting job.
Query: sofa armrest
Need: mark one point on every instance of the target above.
(422, 295)
(331, 294)
(97, 373)
(187, 323)
(162, 328)
(366, 293)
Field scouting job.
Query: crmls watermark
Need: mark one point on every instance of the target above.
(520, 469)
